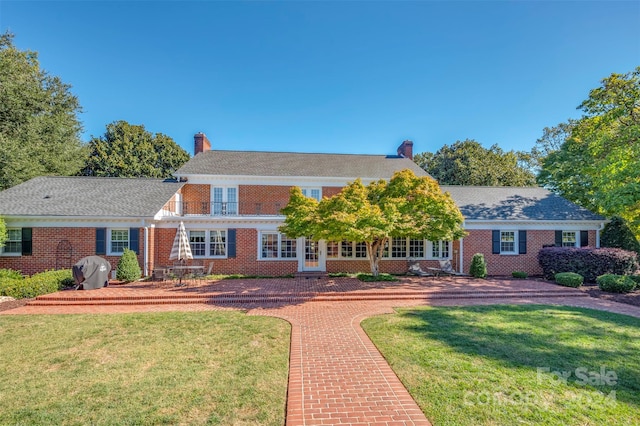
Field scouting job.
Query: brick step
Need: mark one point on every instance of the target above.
(264, 298)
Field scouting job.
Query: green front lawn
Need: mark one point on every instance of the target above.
(152, 368)
(507, 365)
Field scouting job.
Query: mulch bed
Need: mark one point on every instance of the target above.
(632, 298)
(11, 304)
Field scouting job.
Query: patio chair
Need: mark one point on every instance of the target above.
(415, 269)
(445, 269)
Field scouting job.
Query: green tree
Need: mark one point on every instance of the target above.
(128, 268)
(127, 150)
(469, 163)
(598, 165)
(39, 125)
(3, 232)
(617, 234)
(406, 206)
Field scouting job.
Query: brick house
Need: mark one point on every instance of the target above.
(230, 201)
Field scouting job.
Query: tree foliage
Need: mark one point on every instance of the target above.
(39, 125)
(406, 206)
(3, 232)
(617, 234)
(598, 165)
(469, 163)
(127, 150)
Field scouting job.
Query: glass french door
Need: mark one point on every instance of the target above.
(313, 258)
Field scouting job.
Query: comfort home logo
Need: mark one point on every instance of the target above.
(578, 377)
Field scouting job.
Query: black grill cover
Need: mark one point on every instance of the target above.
(92, 272)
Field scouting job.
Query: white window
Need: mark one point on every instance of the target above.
(13, 244)
(416, 248)
(508, 242)
(224, 200)
(211, 243)
(315, 193)
(346, 250)
(569, 239)
(399, 247)
(439, 250)
(118, 241)
(274, 245)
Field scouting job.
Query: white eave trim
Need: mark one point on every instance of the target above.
(274, 180)
(535, 224)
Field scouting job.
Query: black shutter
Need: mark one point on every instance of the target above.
(495, 242)
(27, 241)
(522, 242)
(134, 240)
(558, 238)
(231, 243)
(101, 240)
(584, 238)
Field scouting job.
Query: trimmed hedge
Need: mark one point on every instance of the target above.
(588, 262)
(381, 277)
(6, 274)
(519, 274)
(128, 269)
(478, 268)
(36, 285)
(569, 279)
(615, 283)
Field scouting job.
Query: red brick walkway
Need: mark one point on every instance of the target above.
(337, 376)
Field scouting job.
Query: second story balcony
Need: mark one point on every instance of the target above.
(199, 208)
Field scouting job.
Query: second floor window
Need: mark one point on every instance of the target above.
(315, 193)
(224, 200)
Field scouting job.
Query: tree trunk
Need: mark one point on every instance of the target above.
(375, 250)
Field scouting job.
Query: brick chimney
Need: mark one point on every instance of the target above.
(202, 144)
(406, 149)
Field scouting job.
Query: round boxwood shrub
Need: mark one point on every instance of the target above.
(478, 266)
(519, 274)
(569, 279)
(128, 269)
(615, 283)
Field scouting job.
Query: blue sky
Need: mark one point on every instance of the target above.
(330, 76)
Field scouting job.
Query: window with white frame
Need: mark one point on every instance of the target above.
(333, 249)
(569, 239)
(13, 244)
(346, 250)
(315, 193)
(118, 241)
(224, 200)
(274, 245)
(507, 242)
(416, 248)
(399, 247)
(439, 250)
(208, 243)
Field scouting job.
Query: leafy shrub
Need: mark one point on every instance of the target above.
(370, 278)
(337, 274)
(128, 268)
(617, 234)
(588, 262)
(569, 279)
(519, 274)
(615, 283)
(10, 274)
(478, 266)
(36, 285)
(635, 278)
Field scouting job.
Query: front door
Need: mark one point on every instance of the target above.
(313, 258)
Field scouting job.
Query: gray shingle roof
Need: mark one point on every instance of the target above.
(254, 163)
(87, 196)
(515, 203)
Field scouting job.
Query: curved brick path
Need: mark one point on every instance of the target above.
(337, 376)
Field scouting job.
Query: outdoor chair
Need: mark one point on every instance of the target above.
(445, 269)
(415, 269)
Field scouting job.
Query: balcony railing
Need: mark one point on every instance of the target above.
(198, 208)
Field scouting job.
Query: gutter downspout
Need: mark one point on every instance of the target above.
(462, 251)
(146, 250)
(598, 234)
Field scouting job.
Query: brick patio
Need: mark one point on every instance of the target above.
(336, 376)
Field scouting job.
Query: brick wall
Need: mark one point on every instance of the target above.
(479, 241)
(196, 199)
(60, 248)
